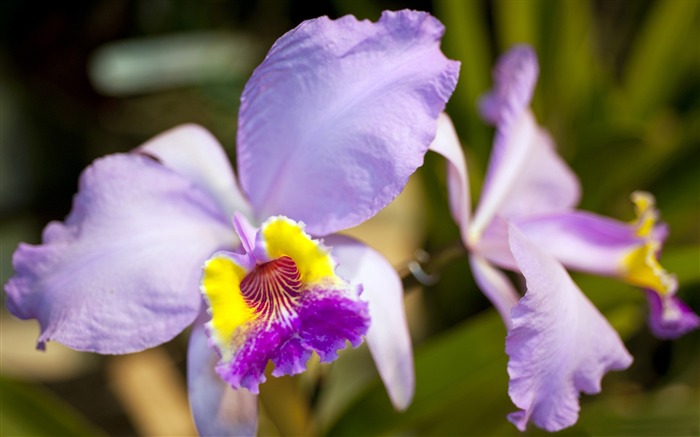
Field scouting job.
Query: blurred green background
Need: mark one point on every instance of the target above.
(619, 90)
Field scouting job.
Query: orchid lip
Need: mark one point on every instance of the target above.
(273, 289)
(279, 300)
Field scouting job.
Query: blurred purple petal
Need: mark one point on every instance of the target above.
(670, 317)
(559, 346)
(218, 409)
(592, 243)
(514, 77)
(121, 274)
(525, 175)
(339, 115)
(193, 152)
(496, 286)
(447, 144)
(582, 240)
(388, 337)
(544, 183)
(493, 245)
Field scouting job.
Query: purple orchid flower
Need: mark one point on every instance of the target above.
(331, 125)
(558, 343)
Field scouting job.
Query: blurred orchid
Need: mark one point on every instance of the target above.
(558, 343)
(331, 125)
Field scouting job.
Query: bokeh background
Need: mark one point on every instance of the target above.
(619, 90)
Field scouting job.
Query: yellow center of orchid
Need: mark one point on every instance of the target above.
(284, 237)
(238, 294)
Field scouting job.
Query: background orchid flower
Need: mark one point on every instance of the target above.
(558, 343)
(331, 125)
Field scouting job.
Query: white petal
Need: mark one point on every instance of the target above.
(193, 152)
(447, 144)
(388, 338)
(496, 286)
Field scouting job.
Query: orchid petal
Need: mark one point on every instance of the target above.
(495, 286)
(493, 245)
(515, 77)
(218, 409)
(245, 231)
(529, 179)
(339, 115)
(525, 177)
(670, 317)
(582, 240)
(388, 337)
(559, 346)
(592, 243)
(544, 184)
(193, 152)
(447, 144)
(121, 273)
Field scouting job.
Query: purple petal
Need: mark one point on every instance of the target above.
(350, 103)
(591, 243)
(514, 77)
(325, 320)
(246, 369)
(245, 231)
(544, 183)
(670, 317)
(193, 152)
(559, 346)
(121, 273)
(218, 409)
(525, 177)
(582, 240)
(493, 245)
(388, 337)
(447, 144)
(328, 320)
(495, 286)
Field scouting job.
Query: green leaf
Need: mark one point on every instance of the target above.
(567, 86)
(684, 262)
(466, 40)
(517, 22)
(672, 411)
(664, 49)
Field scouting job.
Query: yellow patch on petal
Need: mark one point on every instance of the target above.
(647, 214)
(285, 237)
(641, 266)
(221, 286)
(643, 269)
